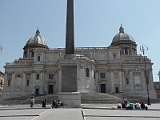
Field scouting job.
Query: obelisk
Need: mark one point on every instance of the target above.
(69, 94)
(70, 28)
(69, 64)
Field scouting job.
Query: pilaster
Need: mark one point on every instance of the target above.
(112, 82)
(24, 82)
(120, 81)
(5, 83)
(13, 82)
(33, 83)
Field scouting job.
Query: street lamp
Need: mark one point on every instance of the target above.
(1, 49)
(142, 49)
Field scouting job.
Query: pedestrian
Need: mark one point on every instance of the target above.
(53, 104)
(43, 104)
(45, 100)
(32, 102)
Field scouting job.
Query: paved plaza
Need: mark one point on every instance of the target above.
(87, 112)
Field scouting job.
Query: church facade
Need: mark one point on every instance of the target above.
(113, 69)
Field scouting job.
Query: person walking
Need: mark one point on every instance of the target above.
(32, 102)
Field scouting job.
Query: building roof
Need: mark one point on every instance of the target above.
(122, 36)
(37, 40)
(1, 73)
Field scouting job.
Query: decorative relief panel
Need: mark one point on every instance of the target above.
(101, 56)
(116, 75)
(136, 72)
(126, 74)
(9, 76)
(18, 79)
(137, 80)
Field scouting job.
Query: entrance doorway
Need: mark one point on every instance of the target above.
(50, 89)
(37, 91)
(117, 90)
(103, 88)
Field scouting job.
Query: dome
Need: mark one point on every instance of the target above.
(37, 40)
(122, 36)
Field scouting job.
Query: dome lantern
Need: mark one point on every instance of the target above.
(34, 42)
(121, 29)
(122, 36)
(37, 32)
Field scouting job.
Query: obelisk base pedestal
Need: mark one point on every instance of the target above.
(70, 99)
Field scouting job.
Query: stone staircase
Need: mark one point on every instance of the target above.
(91, 97)
(26, 100)
(138, 98)
(158, 92)
(94, 97)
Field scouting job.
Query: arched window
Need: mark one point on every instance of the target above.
(87, 72)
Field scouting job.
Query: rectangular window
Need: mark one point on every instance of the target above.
(102, 75)
(126, 51)
(50, 76)
(127, 81)
(28, 74)
(94, 75)
(37, 76)
(32, 54)
(38, 58)
(147, 80)
(9, 83)
(87, 72)
(27, 83)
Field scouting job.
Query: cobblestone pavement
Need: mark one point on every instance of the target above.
(87, 112)
(20, 112)
(103, 114)
(62, 114)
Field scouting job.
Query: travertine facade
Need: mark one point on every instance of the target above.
(113, 69)
(1, 81)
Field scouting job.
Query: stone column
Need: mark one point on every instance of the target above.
(132, 81)
(60, 80)
(24, 82)
(33, 83)
(112, 82)
(123, 82)
(13, 82)
(42, 84)
(120, 81)
(5, 83)
(98, 82)
(28, 53)
(151, 86)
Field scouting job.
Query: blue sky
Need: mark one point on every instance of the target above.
(96, 23)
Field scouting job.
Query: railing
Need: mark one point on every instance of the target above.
(82, 48)
(19, 63)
